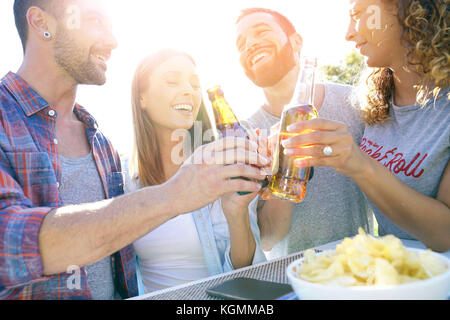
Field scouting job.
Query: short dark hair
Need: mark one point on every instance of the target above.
(282, 21)
(20, 14)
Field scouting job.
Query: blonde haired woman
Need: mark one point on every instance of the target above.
(402, 163)
(220, 237)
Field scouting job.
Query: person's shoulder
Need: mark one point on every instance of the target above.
(6, 99)
(342, 94)
(106, 144)
(9, 107)
(338, 88)
(443, 99)
(89, 120)
(341, 104)
(3, 90)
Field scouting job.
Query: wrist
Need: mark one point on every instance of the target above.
(365, 171)
(233, 211)
(163, 197)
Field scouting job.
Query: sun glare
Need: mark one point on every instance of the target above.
(203, 28)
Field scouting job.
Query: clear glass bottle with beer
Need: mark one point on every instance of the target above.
(227, 124)
(288, 181)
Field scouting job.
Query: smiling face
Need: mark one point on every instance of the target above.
(173, 97)
(266, 52)
(84, 41)
(376, 31)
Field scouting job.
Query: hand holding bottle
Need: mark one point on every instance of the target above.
(327, 144)
(227, 123)
(206, 175)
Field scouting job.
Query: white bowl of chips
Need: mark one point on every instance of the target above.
(368, 268)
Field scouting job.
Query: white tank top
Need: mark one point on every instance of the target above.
(171, 255)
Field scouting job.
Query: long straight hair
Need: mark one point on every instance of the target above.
(146, 161)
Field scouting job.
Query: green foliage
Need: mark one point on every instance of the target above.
(346, 73)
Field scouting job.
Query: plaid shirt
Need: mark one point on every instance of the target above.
(29, 179)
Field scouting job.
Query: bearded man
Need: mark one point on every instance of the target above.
(334, 207)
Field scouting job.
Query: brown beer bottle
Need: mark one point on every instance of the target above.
(227, 123)
(288, 181)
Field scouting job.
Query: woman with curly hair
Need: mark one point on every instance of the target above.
(402, 163)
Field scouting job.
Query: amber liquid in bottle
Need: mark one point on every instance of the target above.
(289, 181)
(227, 123)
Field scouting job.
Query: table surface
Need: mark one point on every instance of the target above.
(272, 270)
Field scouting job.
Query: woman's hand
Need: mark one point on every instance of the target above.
(319, 135)
(235, 206)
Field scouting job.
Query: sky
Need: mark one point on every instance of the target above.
(203, 28)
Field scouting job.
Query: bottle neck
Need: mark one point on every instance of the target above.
(304, 93)
(223, 113)
(306, 86)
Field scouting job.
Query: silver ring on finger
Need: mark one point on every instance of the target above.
(328, 151)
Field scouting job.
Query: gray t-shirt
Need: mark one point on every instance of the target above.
(81, 183)
(415, 146)
(334, 207)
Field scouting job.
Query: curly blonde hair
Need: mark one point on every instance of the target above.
(426, 37)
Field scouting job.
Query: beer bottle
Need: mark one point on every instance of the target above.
(227, 123)
(288, 181)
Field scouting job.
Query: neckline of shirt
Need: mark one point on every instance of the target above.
(76, 160)
(418, 106)
(324, 104)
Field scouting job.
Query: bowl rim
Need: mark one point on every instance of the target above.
(291, 275)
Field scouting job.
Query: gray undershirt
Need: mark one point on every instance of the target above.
(81, 183)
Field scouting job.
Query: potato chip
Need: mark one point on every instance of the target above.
(385, 273)
(365, 260)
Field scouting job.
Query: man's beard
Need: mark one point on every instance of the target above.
(275, 70)
(75, 61)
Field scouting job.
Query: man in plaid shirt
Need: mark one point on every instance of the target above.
(46, 245)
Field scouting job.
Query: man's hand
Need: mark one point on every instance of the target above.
(206, 175)
(267, 141)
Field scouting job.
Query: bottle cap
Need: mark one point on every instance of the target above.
(213, 91)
